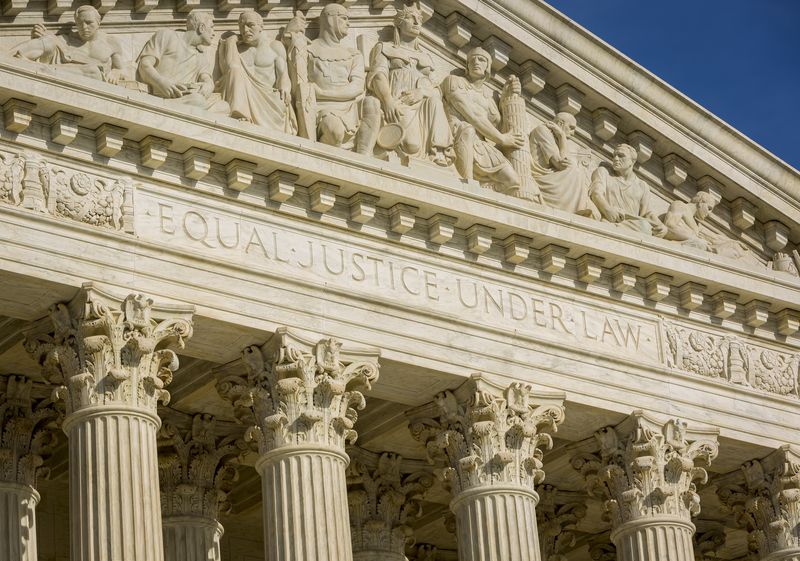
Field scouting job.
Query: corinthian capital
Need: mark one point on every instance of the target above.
(27, 431)
(110, 351)
(764, 496)
(489, 434)
(645, 468)
(383, 498)
(558, 514)
(197, 468)
(299, 393)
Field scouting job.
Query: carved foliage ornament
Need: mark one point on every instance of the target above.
(382, 501)
(296, 395)
(767, 503)
(29, 181)
(27, 432)
(730, 358)
(489, 438)
(557, 521)
(650, 471)
(106, 353)
(197, 469)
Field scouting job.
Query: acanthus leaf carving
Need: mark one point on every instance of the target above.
(107, 352)
(295, 393)
(764, 498)
(383, 500)
(644, 468)
(197, 468)
(557, 519)
(487, 435)
(28, 432)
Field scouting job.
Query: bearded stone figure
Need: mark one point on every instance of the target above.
(87, 52)
(622, 197)
(255, 78)
(474, 120)
(563, 183)
(415, 123)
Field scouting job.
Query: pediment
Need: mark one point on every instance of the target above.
(682, 149)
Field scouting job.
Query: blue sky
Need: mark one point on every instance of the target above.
(738, 58)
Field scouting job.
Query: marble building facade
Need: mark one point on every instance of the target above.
(299, 280)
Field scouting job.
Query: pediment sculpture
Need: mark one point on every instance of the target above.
(397, 103)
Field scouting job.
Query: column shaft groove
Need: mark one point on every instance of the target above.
(18, 522)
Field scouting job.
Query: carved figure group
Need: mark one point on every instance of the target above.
(321, 90)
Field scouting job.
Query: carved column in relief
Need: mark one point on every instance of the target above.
(382, 501)
(645, 472)
(197, 469)
(112, 360)
(490, 437)
(26, 437)
(557, 515)
(300, 400)
(765, 499)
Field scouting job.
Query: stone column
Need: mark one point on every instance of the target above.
(27, 436)
(300, 400)
(557, 516)
(645, 472)
(197, 470)
(110, 355)
(764, 496)
(382, 501)
(489, 437)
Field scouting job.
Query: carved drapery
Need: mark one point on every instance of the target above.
(300, 401)
(110, 355)
(382, 501)
(765, 500)
(491, 440)
(557, 516)
(645, 473)
(197, 470)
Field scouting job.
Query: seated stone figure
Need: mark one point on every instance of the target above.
(563, 183)
(88, 51)
(474, 119)
(173, 65)
(683, 223)
(400, 77)
(621, 197)
(336, 75)
(255, 79)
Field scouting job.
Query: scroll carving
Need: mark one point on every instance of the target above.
(643, 470)
(107, 352)
(487, 436)
(28, 432)
(295, 393)
(197, 469)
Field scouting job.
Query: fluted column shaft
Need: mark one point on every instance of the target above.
(115, 512)
(655, 539)
(305, 504)
(497, 524)
(192, 538)
(18, 522)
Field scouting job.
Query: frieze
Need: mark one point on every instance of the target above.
(730, 358)
(29, 181)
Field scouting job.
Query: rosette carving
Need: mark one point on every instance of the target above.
(28, 432)
(557, 516)
(644, 468)
(382, 501)
(296, 393)
(107, 352)
(488, 435)
(765, 500)
(197, 469)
